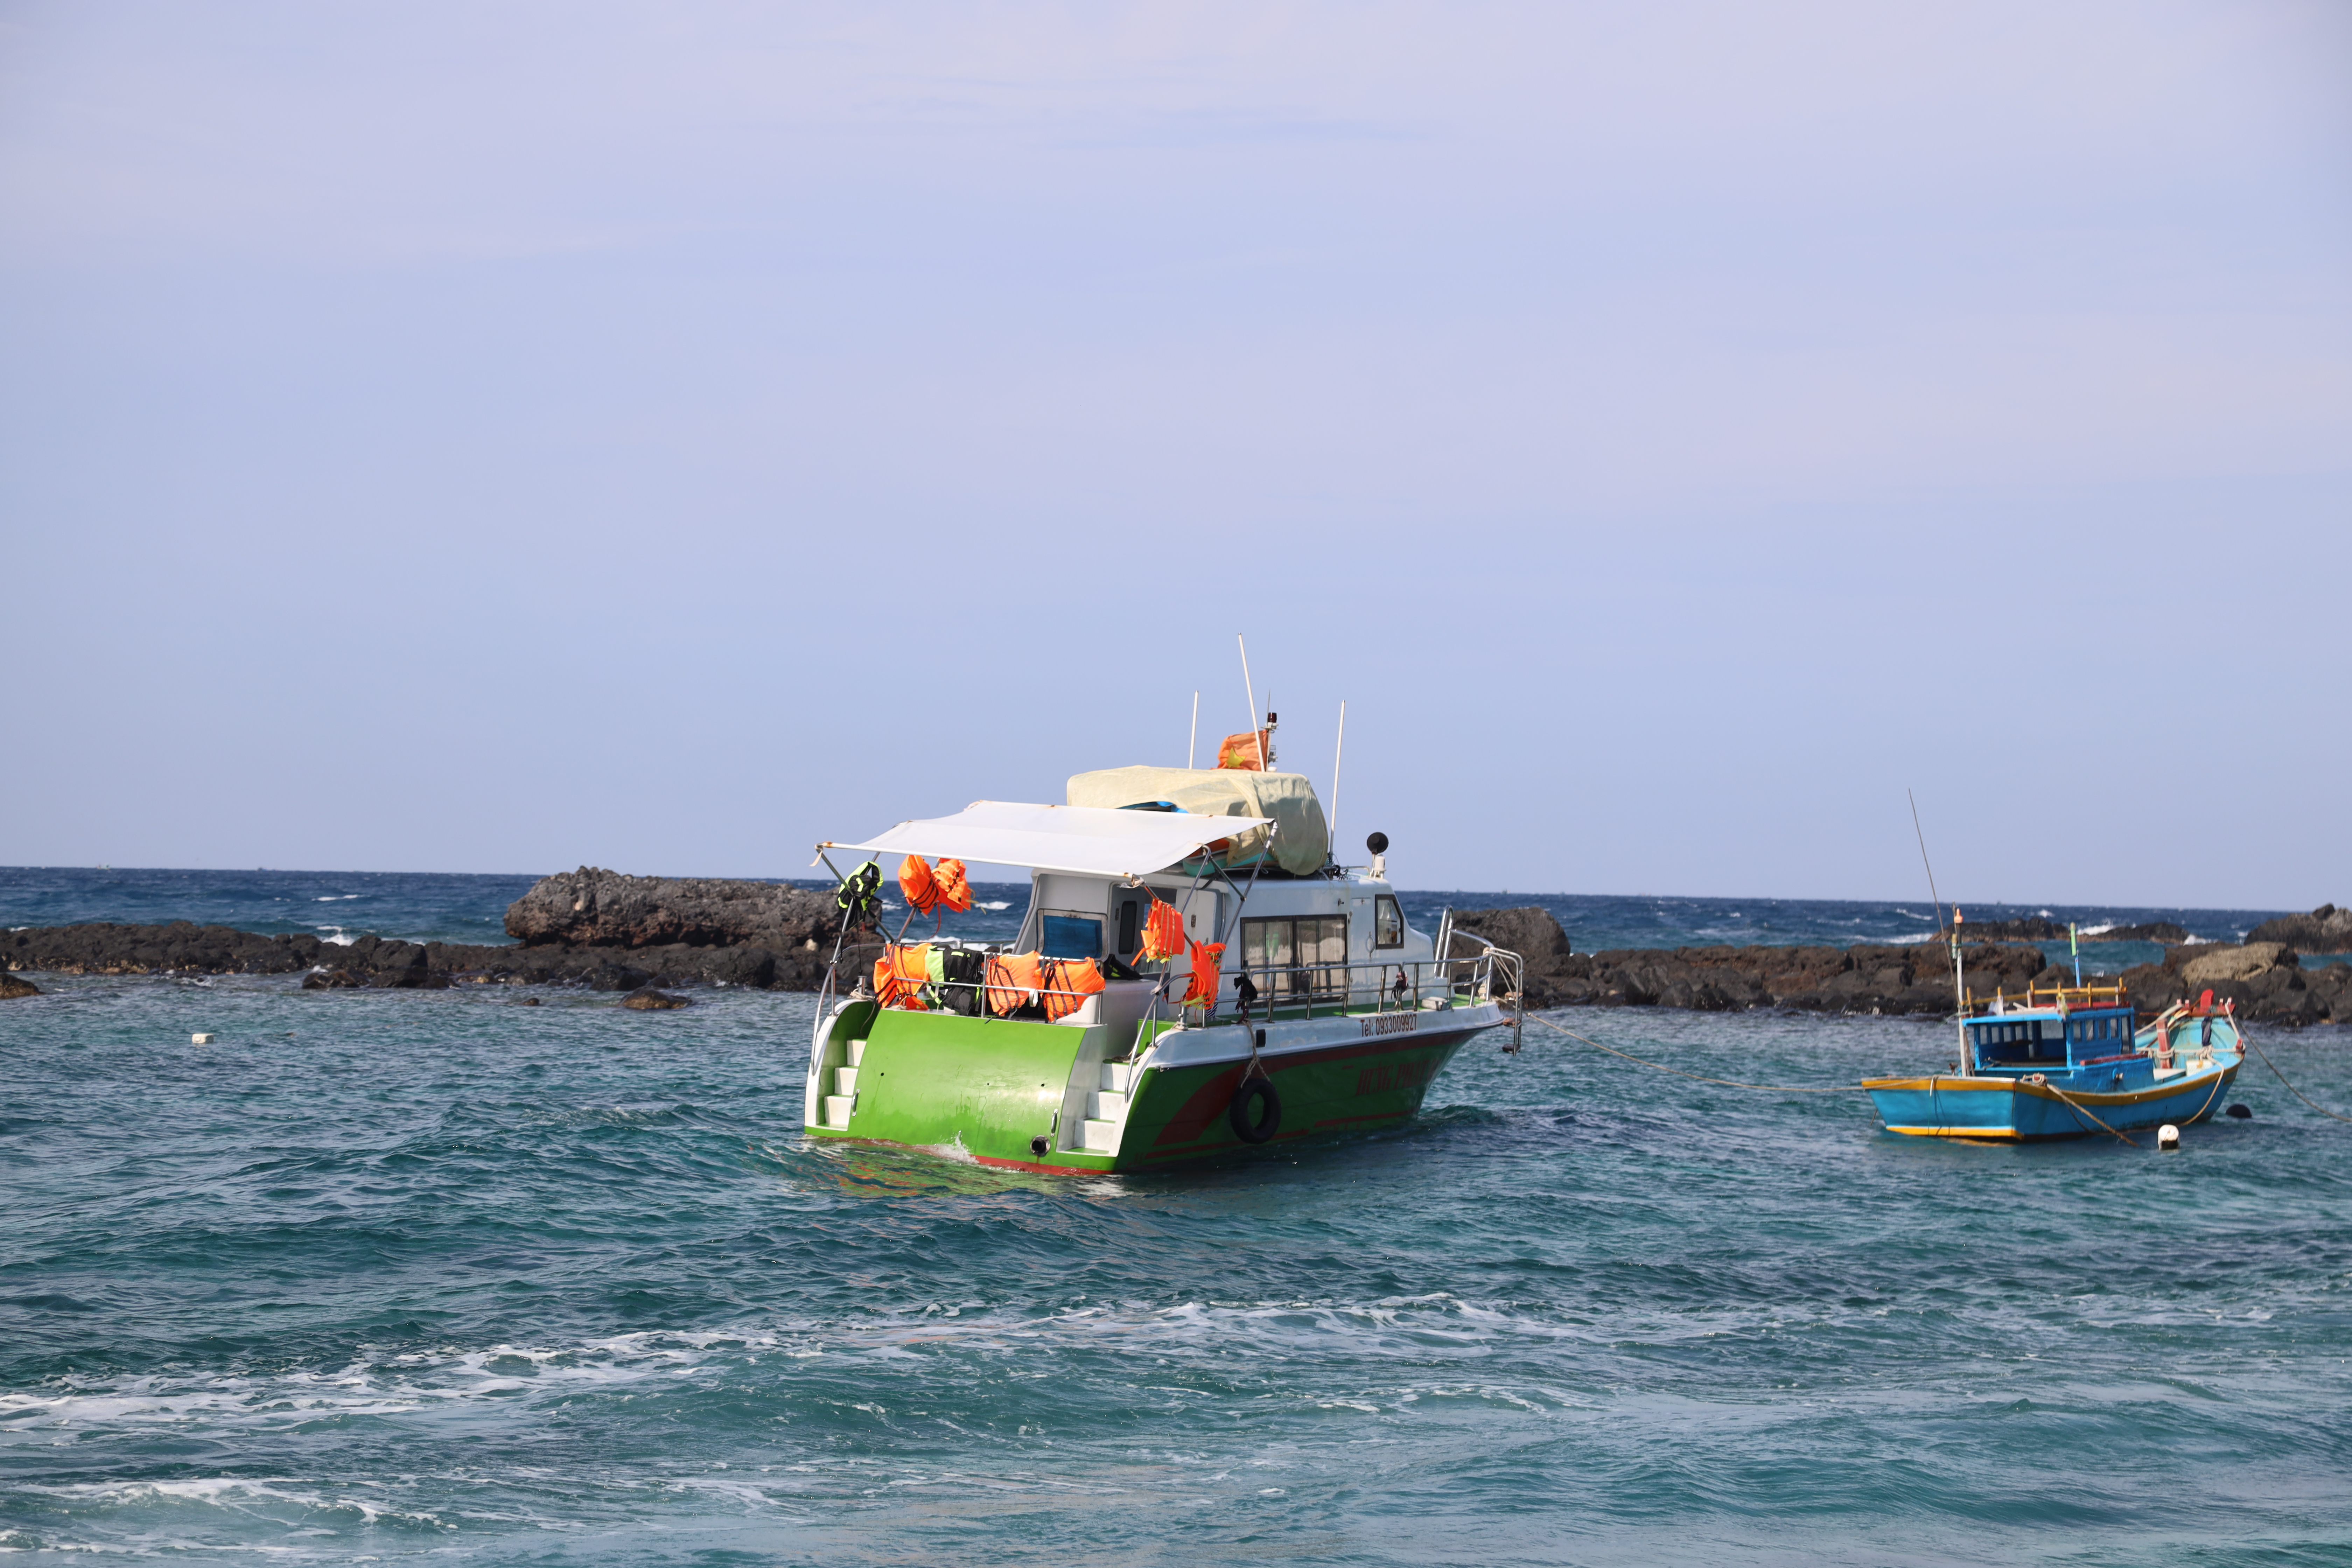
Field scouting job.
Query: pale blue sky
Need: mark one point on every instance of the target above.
(500, 437)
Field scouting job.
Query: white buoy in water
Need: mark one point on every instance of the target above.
(2168, 1136)
(200, 1039)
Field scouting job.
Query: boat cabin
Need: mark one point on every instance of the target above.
(2053, 1028)
(1302, 941)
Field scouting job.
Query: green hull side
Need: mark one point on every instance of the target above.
(936, 1080)
(987, 1088)
(1179, 1114)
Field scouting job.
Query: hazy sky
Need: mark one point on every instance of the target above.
(501, 438)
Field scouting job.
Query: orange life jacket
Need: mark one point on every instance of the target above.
(1204, 972)
(899, 974)
(1069, 982)
(1163, 932)
(1013, 979)
(954, 888)
(1252, 751)
(916, 881)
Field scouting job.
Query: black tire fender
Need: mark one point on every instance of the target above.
(1238, 1115)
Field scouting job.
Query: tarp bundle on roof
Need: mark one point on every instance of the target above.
(1300, 847)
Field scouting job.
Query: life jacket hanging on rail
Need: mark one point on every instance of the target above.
(1013, 981)
(1163, 932)
(954, 886)
(899, 974)
(916, 881)
(1069, 982)
(858, 898)
(1204, 988)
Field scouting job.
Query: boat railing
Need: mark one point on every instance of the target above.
(1304, 989)
(2065, 997)
(1384, 985)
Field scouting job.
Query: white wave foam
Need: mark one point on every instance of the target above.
(335, 934)
(951, 1149)
(333, 897)
(239, 1494)
(2099, 931)
(1000, 904)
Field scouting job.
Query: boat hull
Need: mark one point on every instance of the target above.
(2011, 1110)
(990, 1090)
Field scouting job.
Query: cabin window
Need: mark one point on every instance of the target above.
(1388, 922)
(1131, 918)
(1288, 957)
(1072, 936)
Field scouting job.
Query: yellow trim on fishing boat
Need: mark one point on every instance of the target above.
(2041, 1090)
(1984, 1134)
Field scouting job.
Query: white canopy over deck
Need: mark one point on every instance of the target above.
(1082, 841)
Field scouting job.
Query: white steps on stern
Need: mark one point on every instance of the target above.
(1107, 1107)
(843, 1097)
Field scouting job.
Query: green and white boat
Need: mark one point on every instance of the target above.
(1329, 1014)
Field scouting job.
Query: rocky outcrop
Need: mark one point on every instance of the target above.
(2264, 978)
(2325, 929)
(2155, 930)
(372, 962)
(2034, 927)
(647, 1000)
(2214, 965)
(1528, 931)
(592, 907)
(1912, 978)
(11, 988)
(2265, 981)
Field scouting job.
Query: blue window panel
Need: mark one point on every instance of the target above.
(1071, 936)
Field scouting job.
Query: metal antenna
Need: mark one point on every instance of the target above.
(1250, 691)
(1337, 753)
(1959, 996)
(1923, 857)
(1193, 741)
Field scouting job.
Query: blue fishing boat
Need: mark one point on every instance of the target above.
(2067, 1062)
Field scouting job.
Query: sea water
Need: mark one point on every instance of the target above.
(342, 905)
(436, 1276)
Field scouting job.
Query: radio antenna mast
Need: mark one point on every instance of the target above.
(1959, 996)
(1250, 691)
(1338, 751)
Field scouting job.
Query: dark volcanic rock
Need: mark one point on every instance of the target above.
(11, 988)
(2030, 928)
(2156, 931)
(2034, 927)
(592, 907)
(181, 947)
(1911, 978)
(2325, 929)
(1532, 933)
(332, 980)
(648, 1000)
(615, 977)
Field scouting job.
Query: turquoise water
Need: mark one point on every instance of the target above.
(412, 1275)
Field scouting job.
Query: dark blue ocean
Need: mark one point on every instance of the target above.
(430, 907)
(433, 1276)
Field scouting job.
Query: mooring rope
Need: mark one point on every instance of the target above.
(2290, 1088)
(2085, 1110)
